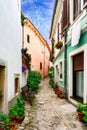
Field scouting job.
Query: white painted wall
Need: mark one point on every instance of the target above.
(10, 41)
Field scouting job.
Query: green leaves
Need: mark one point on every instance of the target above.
(5, 119)
(18, 109)
(82, 107)
(51, 71)
(51, 81)
(33, 80)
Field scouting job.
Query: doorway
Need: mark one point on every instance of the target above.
(2, 84)
(78, 76)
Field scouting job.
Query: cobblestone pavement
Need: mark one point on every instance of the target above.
(49, 112)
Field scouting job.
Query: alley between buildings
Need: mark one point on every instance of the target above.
(49, 112)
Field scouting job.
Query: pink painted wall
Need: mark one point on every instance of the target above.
(39, 51)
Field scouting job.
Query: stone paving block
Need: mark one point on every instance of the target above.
(49, 112)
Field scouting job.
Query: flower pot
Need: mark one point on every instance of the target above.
(13, 127)
(19, 119)
(24, 68)
(80, 115)
(58, 44)
(55, 88)
(58, 92)
(2, 126)
(13, 119)
(61, 96)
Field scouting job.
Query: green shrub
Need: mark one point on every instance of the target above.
(51, 72)
(33, 80)
(51, 82)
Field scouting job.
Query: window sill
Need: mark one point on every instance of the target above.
(85, 5)
(78, 18)
(61, 80)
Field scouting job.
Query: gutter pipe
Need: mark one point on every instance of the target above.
(65, 66)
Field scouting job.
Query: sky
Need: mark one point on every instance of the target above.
(40, 14)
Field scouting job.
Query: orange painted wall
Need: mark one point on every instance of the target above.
(38, 50)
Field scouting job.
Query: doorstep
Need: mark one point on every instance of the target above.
(72, 101)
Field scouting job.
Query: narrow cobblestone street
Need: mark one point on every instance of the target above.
(49, 112)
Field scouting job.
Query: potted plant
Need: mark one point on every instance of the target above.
(51, 72)
(2, 126)
(80, 108)
(4, 121)
(61, 95)
(51, 82)
(24, 68)
(13, 126)
(55, 87)
(58, 44)
(24, 50)
(17, 111)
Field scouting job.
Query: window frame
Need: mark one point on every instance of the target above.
(84, 4)
(61, 70)
(40, 65)
(16, 90)
(28, 38)
(65, 20)
(76, 8)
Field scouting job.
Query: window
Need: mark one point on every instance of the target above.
(40, 65)
(28, 38)
(85, 3)
(57, 69)
(61, 68)
(16, 83)
(78, 75)
(77, 8)
(65, 15)
(52, 45)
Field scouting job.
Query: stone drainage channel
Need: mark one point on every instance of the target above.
(49, 112)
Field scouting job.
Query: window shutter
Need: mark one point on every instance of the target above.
(40, 65)
(28, 38)
(52, 45)
(77, 8)
(78, 62)
(65, 14)
(68, 10)
(85, 1)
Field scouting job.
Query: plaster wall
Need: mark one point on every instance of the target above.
(38, 50)
(11, 43)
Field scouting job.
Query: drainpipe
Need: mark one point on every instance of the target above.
(65, 69)
(22, 36)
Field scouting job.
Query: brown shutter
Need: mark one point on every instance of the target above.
(76, 8)
(78, 62)
(85, 1)
(52, 45)
(68, 10)
(65, 14)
